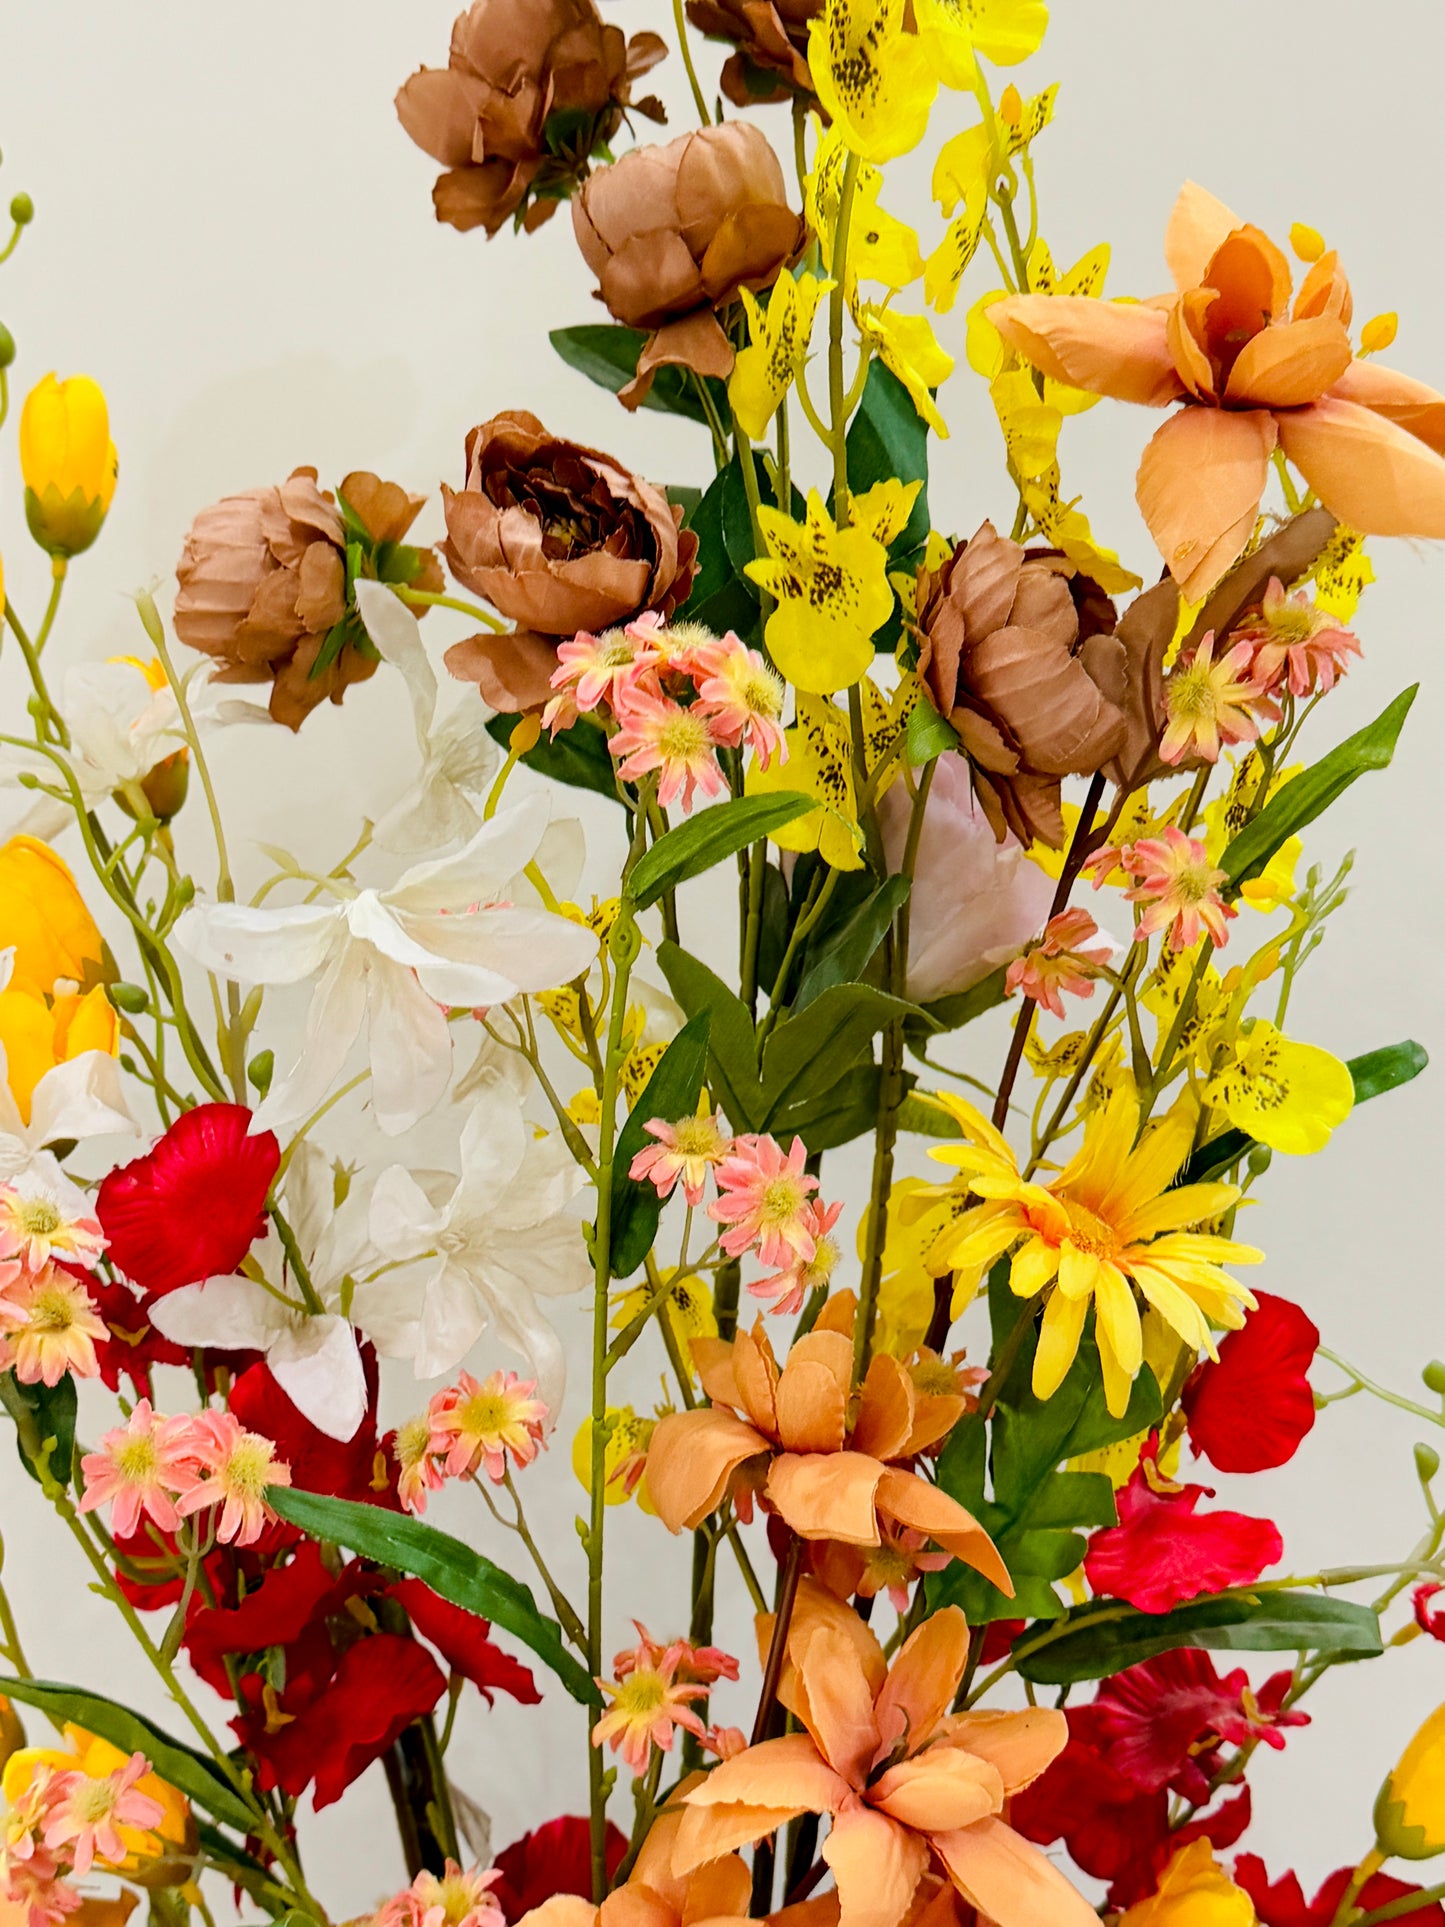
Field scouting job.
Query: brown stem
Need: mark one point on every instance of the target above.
(777, 1651)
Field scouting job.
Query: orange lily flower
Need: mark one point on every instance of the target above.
(909, 1786)
(1254, 374)
(654, 1896)
(788, 1433)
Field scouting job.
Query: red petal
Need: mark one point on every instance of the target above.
(291, 1602)
(346, 1469)
(192, 1207)
(1155, 1716)
(134, 1344)
(462, 1640)
(1161, 1553)
(1224, 1826)
(1249, 1412)
(1112, 1829)
(552, 1859)
(1284, 1905)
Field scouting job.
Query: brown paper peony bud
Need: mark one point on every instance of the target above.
(558, 538)
(531, 89)
(673, 232)
(1001, 658)
(263, 585)
(771, 37)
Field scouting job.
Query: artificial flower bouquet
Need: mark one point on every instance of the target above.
(958, 1479)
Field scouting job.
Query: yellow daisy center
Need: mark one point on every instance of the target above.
(697, 1137)
(1191, 695)
(1290, 623)
(39, 1216)
(484, 1413)
(642, 1695)
(1090, 1234)
(683, 737)
(248, 1470)
(782, 1200)
(93, 1801)
(52, 1309)
(135, 1459)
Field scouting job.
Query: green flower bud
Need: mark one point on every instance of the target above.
(133, 999)
(1434, 1377)
(22, 210)
(1427, 1462)
(7, 346)
(260, 1070)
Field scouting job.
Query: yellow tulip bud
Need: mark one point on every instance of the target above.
(1194, 1891)
(43, 918)
(36, 1036)
(1379, 333)
(1410, 1811)
(1307, 242)
(68, 461)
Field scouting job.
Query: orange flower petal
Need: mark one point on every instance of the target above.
(1020, 1745)
(1010, 1881)
(1107, 347)
(1325, 290)
(885, 1410)
(1291, 364)
(815, 1606)
(812, 1395)
(691, 1459)
(839, 1702)
(1253, 280)
(1371, 473)
(566, 1910)
(1197, 227)
(914, 1502)
(1188, 321)
(1399, 398)
(758, 1789)
(719, 1891)
(713, 1358)
(827, 1495)
(709, 1832)
(1198, 489)
(924, 1678)
(939, 1792)
(756, 1372)
(877, 1865)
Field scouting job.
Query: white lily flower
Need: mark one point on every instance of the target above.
(448, 934)
(80, 1098)
(458, 757)
(477, 1256)
(313, 1357)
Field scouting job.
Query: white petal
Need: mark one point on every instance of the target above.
(262, 946)
(308, 1194)
(518, 948)
(80, 1098)
(560, 857)
(519, 1323)
(333, 1024)
(453, 1318)
(431, 814)
(317, 1366)
(410, 1044)
(397, 635)
(403, 1219)
(493, 1146)
(233, 1314)
(479, 872)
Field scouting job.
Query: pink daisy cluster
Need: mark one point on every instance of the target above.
(1059, 962)
(48, 1321)
(468, 1429)
(1176, 882)
(1294, 644)
(449, 1899)
(166, 1469)
(654, 1690)
(62, 1825)
(677, 695)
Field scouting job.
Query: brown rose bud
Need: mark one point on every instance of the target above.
(264, 588)
(530, 90)
(559, 538)
(1001, 657)
(673, 232)
(771, 37)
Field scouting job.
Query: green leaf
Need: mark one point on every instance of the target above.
(1102, 1638)
(836, 1116)
(732, 1046)
(845, 955)
(952, 1013)
(1308, 795)
(608, 355)
(42, 1413)
(722, 597)
(711, 836)
(671, 1092)
(579, 756)
(182, 1766)
(807, 1053)
(927, 734)
(443, 1563)
(888, 438)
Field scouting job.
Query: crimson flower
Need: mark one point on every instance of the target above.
(194, 1204)
(1428, 1617)
(552, 1859)
(1284, 1904)
(1162, 1552)
(1162, 1723)
(462, 1640)
(134, 1344)
(1249, 1412)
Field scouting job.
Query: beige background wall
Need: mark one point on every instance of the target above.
(235, 237)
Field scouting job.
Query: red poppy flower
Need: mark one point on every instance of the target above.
(193, 1206)
(552, 1859)
(462, 1640)
(289, 1609)
(1284, 1904)
(1164, 1721)
(1162, 1552)
(1249, 1412)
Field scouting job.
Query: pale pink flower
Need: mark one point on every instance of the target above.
(43, 1899)
(448, 1899)
(1174, 877)
(743, 699)
(1058, 962)
(1209, 703)
(1296, 643)
(36, 1225)
(142, 1467)
(22, 1846)
(88, 1811)
(649, 1703)
(56, 1327)
(787, 1289)
(590, 670)
(241, 1467)
(686, 1149)
(476, 1425)
(895, 1563)
(659, 734)
(419, 1463)
(764, 1199)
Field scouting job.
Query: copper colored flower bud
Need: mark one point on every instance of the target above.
(558, 538)
(771, 37)
(530, 90)
(1000, 655)
(673, 232)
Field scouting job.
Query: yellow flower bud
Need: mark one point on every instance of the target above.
(68, 461)
(1410, 1812)
(1194, 1891)
(1379, 333)
(44, 919)
(36, 1036)
(1307, 242)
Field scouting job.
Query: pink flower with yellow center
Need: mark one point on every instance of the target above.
(694, 1665)
(743, 699)
(787, 1289)
(687, 1149)
(764, 1199)
(591, 669)
(241, 1467)
(895, 1565)
(57, 1328)
(449, 1899)
(477, 1425)
(1296, 643)
(36, 1226)
(1058, 962)
(649, 1703)
(141, 1467)
(419, 1464)
(659, 734)
(22, 1830)
(1175, 879)
(1209, 703)
(89, 1811)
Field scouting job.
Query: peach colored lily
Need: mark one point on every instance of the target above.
(789, 1434)
(654, 1896)
(910, 1787)
(1254, 373)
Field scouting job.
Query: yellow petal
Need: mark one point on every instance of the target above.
(1290, 1096)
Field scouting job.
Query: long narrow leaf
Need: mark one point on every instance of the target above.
(711, 837)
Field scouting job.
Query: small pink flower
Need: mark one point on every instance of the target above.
(419, 1462)
(1209, 703)
(37, 1224)
(43, 1900)
(1058, 962)
(725, 1741)
(686, 1149)
(649, 1702)
(476, 1426)
(1175, 879)
(141, 1467)
(88, 1812)
(743, 698)
(241, 1467)
(53, 1325)
(449, 1899)
(764, 1199)
(787, 1289)
(695, 1665)
(591, 669)
(1296, 643)
(659, 734)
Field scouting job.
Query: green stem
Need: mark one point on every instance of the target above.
(685, 49)
(47, 621)
(51, 718)
(427, 598)
(837, 304)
